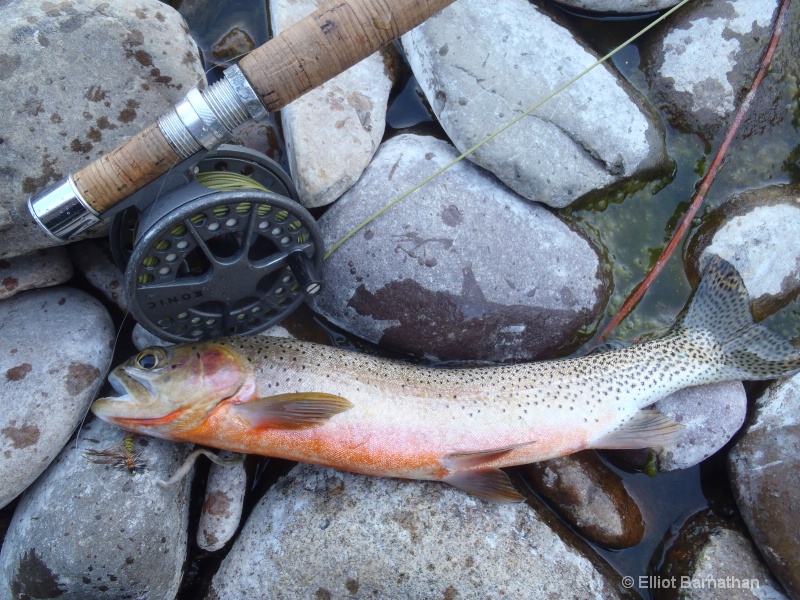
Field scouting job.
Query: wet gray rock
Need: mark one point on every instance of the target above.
(709, 550)
(482, 63)
(78, 78)
(93, 259)
(462, 269)
(332, 132)
(144, 339)
(388, 538)
(55, 349)
(700, 84)
(98, 531)
(223, 503)
(590, 496)
(620, 7)
(42, 268)
(758, 232)
(710, 414)
(764, 467)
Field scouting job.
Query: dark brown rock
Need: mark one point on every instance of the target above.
(590, 496)
(711, 558)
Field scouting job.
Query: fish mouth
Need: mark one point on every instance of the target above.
(133, 395)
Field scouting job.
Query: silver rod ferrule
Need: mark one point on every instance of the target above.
(245, 92)
(206, 119)
(62, 212)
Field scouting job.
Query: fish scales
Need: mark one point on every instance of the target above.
(313, 403)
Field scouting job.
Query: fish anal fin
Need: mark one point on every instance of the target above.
(463, 461)
(647, 429)
(490, 484)
(292, 411)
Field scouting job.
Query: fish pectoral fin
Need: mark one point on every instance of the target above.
(489, 484)
(293, 411)
(463, 461)
(647, 429)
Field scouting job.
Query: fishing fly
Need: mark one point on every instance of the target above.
(123, 457)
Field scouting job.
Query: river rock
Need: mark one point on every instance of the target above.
(223, 503)
(462, 269)
(764, 466)
(388, 538)
(711, 558)
(482, 63)
(144, 339)
(699, 84)
(55, 349)
(42, 268)
(76, 79)
(98, 531)
(590, 496)
(93, 259)
(758, 232)
(620, 7)
(332, 132)
(710, 414)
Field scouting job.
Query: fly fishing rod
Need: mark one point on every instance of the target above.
(211, 236)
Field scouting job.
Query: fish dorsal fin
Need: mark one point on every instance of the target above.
(647, 429)
(292, 411)
(489, 484)
(462, 461)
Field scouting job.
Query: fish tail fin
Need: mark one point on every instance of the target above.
(721, 307)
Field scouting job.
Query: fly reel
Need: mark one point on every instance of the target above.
(225, 249)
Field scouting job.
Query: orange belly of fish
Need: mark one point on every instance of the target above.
(342, 446)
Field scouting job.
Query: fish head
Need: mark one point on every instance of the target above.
(166, 391)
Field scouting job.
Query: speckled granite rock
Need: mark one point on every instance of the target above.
(482, 63)
(127, 62)
(42, 268)
(478, 273)
(758, 232)
(94, 531)
(330, 534)
(55, 349)
(764, 467)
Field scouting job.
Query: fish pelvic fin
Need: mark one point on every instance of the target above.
(292, 411)
(721, 307)
(646, 429)
(489, 484)
(462, 461)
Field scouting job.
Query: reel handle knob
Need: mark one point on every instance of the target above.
(314, 50)
(304, 272)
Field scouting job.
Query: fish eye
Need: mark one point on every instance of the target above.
(150, 358)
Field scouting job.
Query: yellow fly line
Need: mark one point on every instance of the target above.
(508, 125)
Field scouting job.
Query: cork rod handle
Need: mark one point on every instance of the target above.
(319, 47)
(328, 42)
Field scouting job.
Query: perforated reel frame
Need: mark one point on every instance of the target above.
(221, 262)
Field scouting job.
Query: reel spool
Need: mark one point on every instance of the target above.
(226, 251)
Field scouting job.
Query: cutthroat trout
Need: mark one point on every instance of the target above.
(337, 408)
